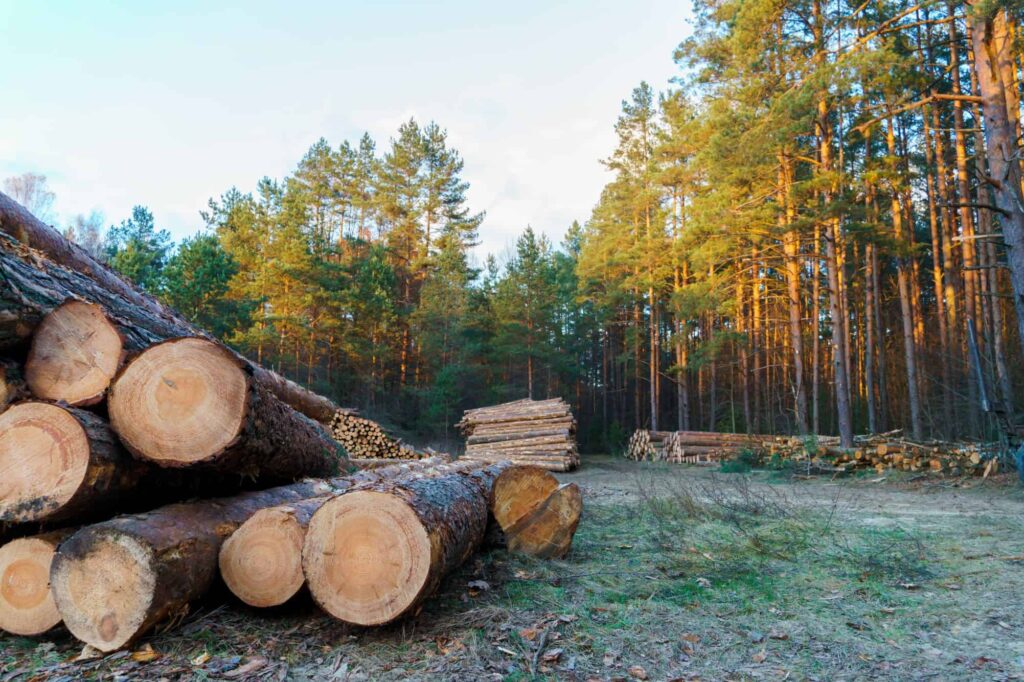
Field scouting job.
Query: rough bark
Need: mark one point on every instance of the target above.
(1002, 151)
(113, 581)
(374, 554)
(261, 562)
(188, 402)
(21, 226)
(26, 602)
(58, 463)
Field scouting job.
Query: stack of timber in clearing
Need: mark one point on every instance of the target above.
(890, 452)
(689, 447)
(365, 439)
(537, 432)
(880, 452)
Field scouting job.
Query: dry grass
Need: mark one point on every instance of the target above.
(680, 572)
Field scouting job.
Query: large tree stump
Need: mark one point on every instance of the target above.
(373, 554)
(40, 269)
(188, 402)
(57, 463)
(26, 603)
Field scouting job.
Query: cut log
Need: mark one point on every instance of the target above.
(373, 554)
(538, 516)
(57, 463)
(518, 491)
(26, 603)
(547, 531)
(75, 353)
(113, 581)
(72, 273)
(188, 402)
(261, 563)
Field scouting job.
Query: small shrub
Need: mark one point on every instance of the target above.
(744, 461)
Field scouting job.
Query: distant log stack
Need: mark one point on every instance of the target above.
(534, 432)
(881, 452)
(365, 439)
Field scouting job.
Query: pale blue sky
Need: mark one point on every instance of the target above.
(169, 103)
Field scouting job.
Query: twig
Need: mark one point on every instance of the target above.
(540, 649)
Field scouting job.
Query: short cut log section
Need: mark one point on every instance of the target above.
(538, 516)
(188, 402)
(26, 603)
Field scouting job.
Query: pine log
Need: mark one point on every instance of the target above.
(113, 581)
(551, 463)
(261, 562)
(372, 555)
(512, 436)
(76, 351)
(57, 463)
(188, 402)
(40, 269)
(26, 602)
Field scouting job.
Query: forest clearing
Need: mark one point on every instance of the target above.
(810, 579)
(717, 378)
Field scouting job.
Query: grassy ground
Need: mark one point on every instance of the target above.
(676, 573)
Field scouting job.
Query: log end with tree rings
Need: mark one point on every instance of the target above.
(44, 458)
(76, 351)
(367, 557)
(547, 531)
(179, 402)
(26, 603)
(518, 490)
(261, 562)
(104, 588)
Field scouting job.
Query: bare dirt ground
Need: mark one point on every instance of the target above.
(676, 573)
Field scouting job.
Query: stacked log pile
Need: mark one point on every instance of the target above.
(365, 439)
(688, 447)
(892, 452)
(537, 432)
(880, 452)
(111, 403)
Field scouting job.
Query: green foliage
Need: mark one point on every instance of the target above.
(196, 283)
(744, 462)
(139, 251)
